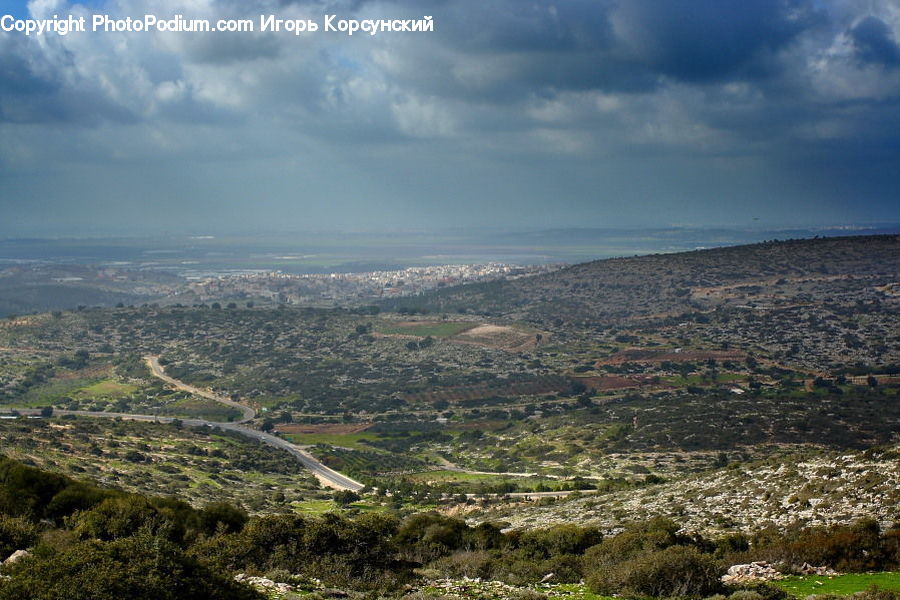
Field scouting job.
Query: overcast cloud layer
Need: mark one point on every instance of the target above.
(513, 112)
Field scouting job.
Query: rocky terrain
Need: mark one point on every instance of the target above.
(822, 489)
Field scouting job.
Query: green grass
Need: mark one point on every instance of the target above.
(107, 388)
(425, 329)
(201, 408)
(54, 390)
(802, 586)
(348, 440)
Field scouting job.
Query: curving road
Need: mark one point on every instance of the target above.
(159, 372)
(326, 476)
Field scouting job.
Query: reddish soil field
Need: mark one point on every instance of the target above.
(658, 356)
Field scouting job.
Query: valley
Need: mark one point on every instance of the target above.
(738, 392)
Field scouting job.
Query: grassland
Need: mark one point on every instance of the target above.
(425, 328)
(355, 441)
(842, 585)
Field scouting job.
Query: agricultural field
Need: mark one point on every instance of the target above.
(422, 329)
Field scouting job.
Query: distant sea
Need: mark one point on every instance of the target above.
(324, 252)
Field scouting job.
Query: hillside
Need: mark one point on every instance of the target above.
(621, 289)
(655, 372)
(814, 490)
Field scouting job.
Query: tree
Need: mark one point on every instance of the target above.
(345, 497)
(222, 516)
(47, 412)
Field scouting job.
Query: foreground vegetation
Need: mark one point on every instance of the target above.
(99, 543)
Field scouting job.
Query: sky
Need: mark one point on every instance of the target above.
(511, 113)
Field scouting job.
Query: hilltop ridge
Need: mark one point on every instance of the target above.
(616, 289)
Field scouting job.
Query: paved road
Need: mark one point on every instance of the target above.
(158, 371)
(328, 477)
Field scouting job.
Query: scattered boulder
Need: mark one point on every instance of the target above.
(263, 583)
(808, 569)
(17, 555)
(755, 571)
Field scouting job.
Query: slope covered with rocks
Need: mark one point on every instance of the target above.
(820, 489)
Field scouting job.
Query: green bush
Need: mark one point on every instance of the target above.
(559, 539)
(857, 547)
(16, 533)
(221, 516)
(674, 571)
(760, 589)
(465, 564)
(637, 538)
(142, 567)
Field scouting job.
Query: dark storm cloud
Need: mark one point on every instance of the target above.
(710, 40)
(613, 110)
(874, 42)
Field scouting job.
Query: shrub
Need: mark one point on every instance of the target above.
(673, 571)
(114, 518)
(16, 533)
(559, 539)
(745, 595)
(465, 564)
(761, 590)
(222, 516)
(139, 568)
(637, 538)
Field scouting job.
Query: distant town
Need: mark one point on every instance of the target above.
(331, 288)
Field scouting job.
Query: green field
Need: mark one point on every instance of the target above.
(803, 586)
(201, 408)
(425, 329)
(355, 441)
(107, 388)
